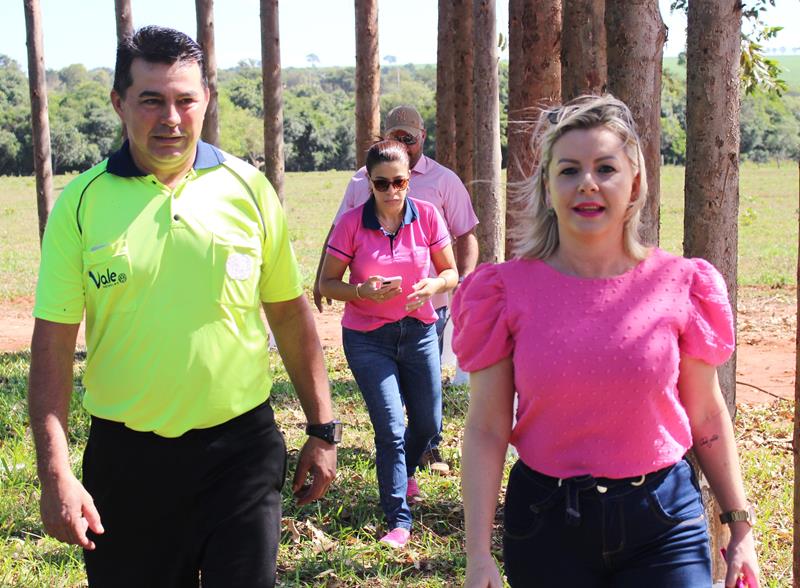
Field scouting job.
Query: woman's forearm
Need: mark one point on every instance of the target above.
(715, 450)
(339, 290)
(482, 471)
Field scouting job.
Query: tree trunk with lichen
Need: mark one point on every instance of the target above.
(205, 38)
(464, 60)
(40, 123)
(534, 80)
(583, 48)
(272, 95)
(368, 78)
(486, 194)
(445, 95)
(636, 36)
(712, 169)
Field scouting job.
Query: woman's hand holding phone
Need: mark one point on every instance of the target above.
(380, 289)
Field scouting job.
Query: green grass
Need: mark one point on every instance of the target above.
(768, 213)
(332, 543)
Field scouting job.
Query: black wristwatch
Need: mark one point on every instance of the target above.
(330, 432)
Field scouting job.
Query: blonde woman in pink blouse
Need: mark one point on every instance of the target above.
(612, 348)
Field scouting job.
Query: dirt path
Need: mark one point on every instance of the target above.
(766, 336)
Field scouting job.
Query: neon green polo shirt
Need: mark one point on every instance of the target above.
(171, 281)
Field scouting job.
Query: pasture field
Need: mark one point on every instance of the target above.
(767, 223)
(789, 64)
(332, 542)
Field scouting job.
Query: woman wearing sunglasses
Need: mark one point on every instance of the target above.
(388, 327)
(612, 348)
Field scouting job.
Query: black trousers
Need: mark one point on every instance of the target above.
(206, 504)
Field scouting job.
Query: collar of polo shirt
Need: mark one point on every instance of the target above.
(369, 218)
(121, 163)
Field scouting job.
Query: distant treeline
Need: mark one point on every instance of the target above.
(319, 104)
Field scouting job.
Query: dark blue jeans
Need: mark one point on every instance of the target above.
(441, 322)
(653, 535)
(396, 365)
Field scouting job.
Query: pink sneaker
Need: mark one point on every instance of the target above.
(413, 495)
(396, 538)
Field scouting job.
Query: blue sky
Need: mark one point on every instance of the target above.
(84, 32)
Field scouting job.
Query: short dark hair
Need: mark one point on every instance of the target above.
(385, 151)
(155, 44)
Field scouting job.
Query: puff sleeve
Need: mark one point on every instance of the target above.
(709, 334)
(481, 335)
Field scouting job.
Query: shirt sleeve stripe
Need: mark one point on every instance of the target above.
(339, 251)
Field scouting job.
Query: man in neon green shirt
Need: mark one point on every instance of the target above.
(170, 247)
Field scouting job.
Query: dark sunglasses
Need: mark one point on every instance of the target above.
(382, 185)
(406, 139)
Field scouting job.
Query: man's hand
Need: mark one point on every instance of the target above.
(317, 461)
(318, 296)
(68, 511)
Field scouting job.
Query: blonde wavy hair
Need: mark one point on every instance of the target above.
(535, 236)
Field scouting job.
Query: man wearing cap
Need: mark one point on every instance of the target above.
(438, 185)
(172, 248)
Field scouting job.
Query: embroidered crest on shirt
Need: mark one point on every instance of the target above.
(239, 266)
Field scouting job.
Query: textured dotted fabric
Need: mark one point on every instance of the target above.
(595, 360)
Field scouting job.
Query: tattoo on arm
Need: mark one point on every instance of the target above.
(707, 442)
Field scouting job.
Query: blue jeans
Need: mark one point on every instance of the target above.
(441, 323)
(651, 535)
(396, 365)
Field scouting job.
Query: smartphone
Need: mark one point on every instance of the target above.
(394, 281)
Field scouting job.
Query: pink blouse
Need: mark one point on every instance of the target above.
(595, 360)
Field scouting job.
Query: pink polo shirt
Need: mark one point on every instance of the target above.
(431, 182)
(358, 240)
(595, 360)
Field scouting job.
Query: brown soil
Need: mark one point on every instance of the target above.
(765, 358)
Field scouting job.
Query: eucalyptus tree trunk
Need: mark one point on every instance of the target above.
(486, 194)
(636, 36)
(463, 63)
(796, 433)
(534, 80)
(583, 48)
(273, 95)
(445, 94)
(122, 9)
(712, 167)
(205, 38)
(37, 83)
(368, 78)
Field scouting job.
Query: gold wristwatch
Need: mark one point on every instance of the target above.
(732, 516)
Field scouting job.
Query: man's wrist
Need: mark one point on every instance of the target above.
(330, 432)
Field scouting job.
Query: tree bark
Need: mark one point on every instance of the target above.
(37, 83)
(796, 433)
(273, 95)
(445, 94)
(583, 48)
(122, 9)
(368, 78)
(712, 166)
(636, 36)
(486, 193)
(534, 80)
(205, 38)
(463, 63)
